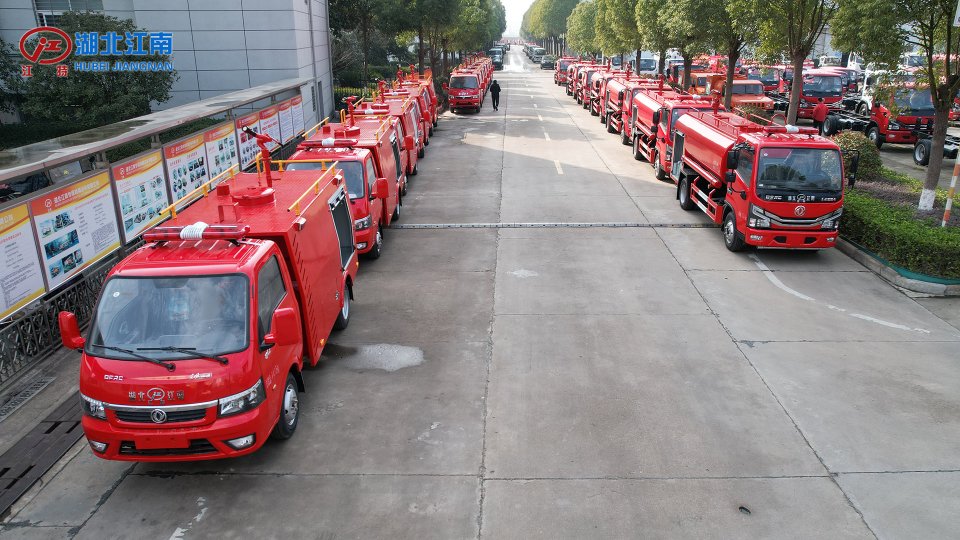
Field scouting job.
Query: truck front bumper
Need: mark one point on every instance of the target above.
(365, 239)
(466, 101)
(193, 443)
(779, 238)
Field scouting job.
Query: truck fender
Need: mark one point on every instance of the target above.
(348, 287)
(298, 377)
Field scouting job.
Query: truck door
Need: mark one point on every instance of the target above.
(342, 222)
(376, 205)
(677, 164)
(398, 162)
(275, 361)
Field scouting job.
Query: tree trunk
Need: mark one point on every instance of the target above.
(796, 87)
(446, 63)
(940, 122)
(420, 51)
(687, 62)
(732, 56)
(365, 37)
(662, 60)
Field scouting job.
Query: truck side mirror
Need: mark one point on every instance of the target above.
(284, 328)
(408, 142)
(70, 331)
(656, 117)
(380, 189)
(620, 95)
(733, 159)
(730, 177)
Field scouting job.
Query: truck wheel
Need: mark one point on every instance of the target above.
(430, 132)
(731, 236)
(413, 172)
(658, 168)
(604, 118)
(637, 152)
(828, 126)
(685, 195)
(377, 248)
(874, 135)
(421, 152)
(343, 318)
(396, 209)
(921, 152)
(624, 139)
(289, 410)
(862, 110)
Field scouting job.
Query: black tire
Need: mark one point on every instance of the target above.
(421, 152)
(921, 151)
(685, 195)
(413, 172)
(604, 119)
(624, 139)
(829, 126)
(289, 411)
(637, 152)
(658, 169)
(731, 236)
(430, 131)
(862, 110)
(377, 249)
(343, 318)
(875, 137)
(396, 210)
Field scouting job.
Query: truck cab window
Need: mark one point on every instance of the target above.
(745, 166)
(352, 173)
(344, 227)
(371, 173)
(396, 157)
(270, 292)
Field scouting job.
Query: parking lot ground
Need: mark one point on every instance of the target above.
(628, 380)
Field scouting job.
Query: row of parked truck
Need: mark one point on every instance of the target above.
(199, 338)
(469, 83)
(764, 184)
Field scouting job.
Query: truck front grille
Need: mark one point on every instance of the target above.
(197, 446)
(143, 416)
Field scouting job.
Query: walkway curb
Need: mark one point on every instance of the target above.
(894, 277)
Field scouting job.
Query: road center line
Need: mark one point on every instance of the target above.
(546, 135)
(539, 117)
(556, 162)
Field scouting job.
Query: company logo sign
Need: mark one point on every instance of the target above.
(158, 416)
(800, 211)
(46, 45)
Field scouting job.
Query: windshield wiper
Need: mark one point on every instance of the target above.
(168, 365)
(191, 351)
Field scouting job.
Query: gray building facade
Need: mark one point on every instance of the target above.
(219, 45)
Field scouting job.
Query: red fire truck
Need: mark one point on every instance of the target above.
(654, 114)
(199, 337)
(465, 90)
(766, 185)
(817, 84)
(560, 69)
(617, 96)
(426, 82)
(404, 109)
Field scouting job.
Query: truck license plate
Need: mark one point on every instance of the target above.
(155, 442)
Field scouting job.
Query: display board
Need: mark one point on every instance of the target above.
(247, 145)
(221, 148)
(270, 124)
(21, 278)
(141, 186)
(286, 121)
(76, 226)
(296, 107)
(187, 167)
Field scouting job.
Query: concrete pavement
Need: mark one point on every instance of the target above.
(605, 382)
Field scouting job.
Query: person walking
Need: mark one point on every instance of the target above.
(495, 95)
(820, 115)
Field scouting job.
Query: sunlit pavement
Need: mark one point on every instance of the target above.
(564, 382)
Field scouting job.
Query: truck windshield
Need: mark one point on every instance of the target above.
(747, 89)
(821, 85)
(463, 82)
(768, 76)
(799, 169)
(917, 102)
(646, 64)
(208, 315)
(352, 172)
(564, 65)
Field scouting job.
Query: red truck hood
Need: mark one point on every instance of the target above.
(129, 382)
(459, 92)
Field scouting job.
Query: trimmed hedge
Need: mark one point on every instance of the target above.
(870, 165)
(897, 235)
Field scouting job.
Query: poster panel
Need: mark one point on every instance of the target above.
(141, 186)
(221, 148)
(76, 225)
(187, 166)
(286, 121)
(296, 107)
(21, 279)
(246, 144)
(270, 124)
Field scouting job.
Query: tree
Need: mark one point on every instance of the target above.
(12, 85)
(650, 17)
(86, 99)
(546, 20)
(616, 27)
(687, 23)
(735, 27)
(882, 29)
(792, 27)
(580, 27)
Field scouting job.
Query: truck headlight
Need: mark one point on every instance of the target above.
(92, 407)
(362, 223)
(244, 401)
(894, 125)
(758, 219)
(833, 221)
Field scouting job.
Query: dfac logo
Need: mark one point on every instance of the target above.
(156, 395)
(53, 46)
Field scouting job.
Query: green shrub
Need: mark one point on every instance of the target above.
(895, 234)
(870, 164)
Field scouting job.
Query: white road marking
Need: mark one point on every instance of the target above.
(540, 117)
(535, 106)
(546, 135)
(179, 533)
(780, 285)
(556, 162)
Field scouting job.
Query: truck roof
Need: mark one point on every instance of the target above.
(737, 127)
(243, 201)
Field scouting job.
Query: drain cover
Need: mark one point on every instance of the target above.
(23, 396)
